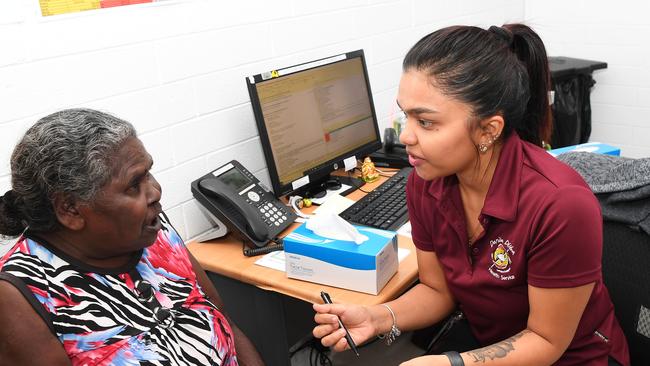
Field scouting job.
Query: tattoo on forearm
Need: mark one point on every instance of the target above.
(497, 350)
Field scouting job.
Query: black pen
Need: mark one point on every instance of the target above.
(326, 298)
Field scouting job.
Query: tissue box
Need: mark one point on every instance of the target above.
(595, 147)
(366, 267)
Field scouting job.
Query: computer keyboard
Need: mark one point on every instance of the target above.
(384, 207)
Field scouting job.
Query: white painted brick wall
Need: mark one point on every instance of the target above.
(176, 70)
(617, 34)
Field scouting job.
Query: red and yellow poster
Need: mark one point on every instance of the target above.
(56, 7)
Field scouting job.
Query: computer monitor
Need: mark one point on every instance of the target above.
(314, 118)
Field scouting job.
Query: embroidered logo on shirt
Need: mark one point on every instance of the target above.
(501, 259)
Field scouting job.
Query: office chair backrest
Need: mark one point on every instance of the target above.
(626, 273)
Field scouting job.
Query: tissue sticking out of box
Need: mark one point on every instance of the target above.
(330, 225)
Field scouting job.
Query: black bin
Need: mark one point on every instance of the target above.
(571, 79)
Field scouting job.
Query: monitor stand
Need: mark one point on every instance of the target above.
(318, 188)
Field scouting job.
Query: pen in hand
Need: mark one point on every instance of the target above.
(326, 298)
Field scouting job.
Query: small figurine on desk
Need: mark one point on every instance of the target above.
(369, 173)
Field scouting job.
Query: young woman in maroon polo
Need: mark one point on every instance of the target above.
(503, 230)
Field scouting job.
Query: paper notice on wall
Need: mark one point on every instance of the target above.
(56, 7)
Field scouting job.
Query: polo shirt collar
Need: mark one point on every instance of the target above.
(503, 195)
(439, 186)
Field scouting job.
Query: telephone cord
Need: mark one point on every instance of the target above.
(278, 244)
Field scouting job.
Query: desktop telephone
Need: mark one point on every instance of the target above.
(236, 197)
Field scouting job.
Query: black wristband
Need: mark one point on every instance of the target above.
(454, 358)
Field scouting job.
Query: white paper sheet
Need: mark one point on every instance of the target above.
(335, 203)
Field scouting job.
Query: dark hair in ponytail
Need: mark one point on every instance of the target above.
(503, 70)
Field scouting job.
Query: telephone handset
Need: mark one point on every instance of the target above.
(236, 197)
(255, 228)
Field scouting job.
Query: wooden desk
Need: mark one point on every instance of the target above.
(264, 302)
(226, 258)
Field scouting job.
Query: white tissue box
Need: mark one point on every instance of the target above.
(365, 267)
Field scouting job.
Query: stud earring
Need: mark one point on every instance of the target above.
(483, 148)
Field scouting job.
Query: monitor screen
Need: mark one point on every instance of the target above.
(312, 117)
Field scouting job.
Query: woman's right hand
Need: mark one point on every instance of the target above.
(356, 318)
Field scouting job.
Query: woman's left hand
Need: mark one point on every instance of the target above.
(433, 360)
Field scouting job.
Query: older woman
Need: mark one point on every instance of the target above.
(98, 275)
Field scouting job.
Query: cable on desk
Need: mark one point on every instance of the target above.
(381, 172)
(352, 181)
(251, 252)
(377, 166)
(384, 174)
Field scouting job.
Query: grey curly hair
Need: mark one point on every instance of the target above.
(67, 152)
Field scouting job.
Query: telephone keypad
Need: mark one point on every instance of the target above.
(273, 215)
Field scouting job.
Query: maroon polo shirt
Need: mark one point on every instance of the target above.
(542, 226)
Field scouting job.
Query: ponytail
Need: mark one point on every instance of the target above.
(530, 50)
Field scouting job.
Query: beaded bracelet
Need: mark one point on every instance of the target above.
(394, 331)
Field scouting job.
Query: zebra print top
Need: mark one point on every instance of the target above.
(151, 311)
